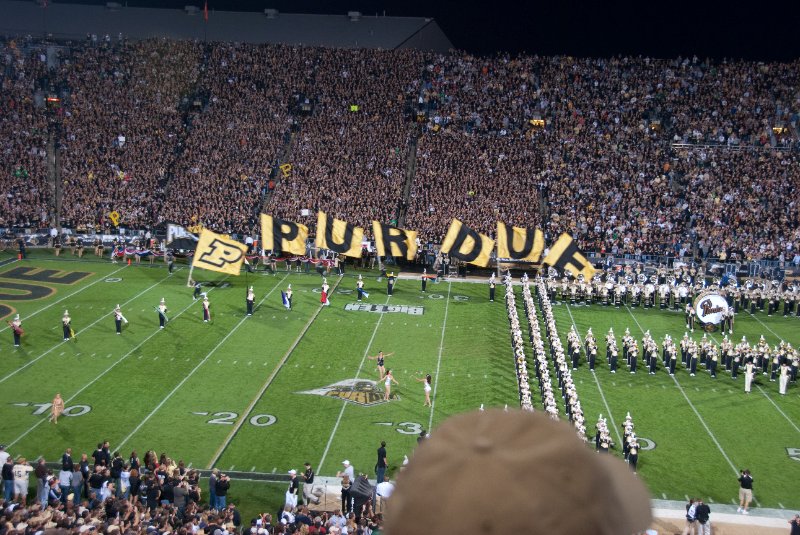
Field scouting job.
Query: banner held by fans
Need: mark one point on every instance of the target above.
(522, 244)
(283, 236)
(465, 244)
(564, 254)
(338, 236)
(393, 241)
(217, 253)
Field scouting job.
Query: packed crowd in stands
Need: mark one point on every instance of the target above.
(629, 154)
(105, 493)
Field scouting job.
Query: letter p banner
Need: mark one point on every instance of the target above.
(220, 254)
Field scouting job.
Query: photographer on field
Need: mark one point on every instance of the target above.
(745, 491)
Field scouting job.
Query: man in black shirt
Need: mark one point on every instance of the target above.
(66, 461)
(701, 513)
(8, 479)
(223, 484)
(308, 486)
(98, 455)
(381, 465)
(745, 491)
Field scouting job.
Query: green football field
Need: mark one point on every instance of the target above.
(266, 393)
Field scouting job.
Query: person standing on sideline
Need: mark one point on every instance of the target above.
(691, 507)
(118, 319)
(795, 525)
(381, 465)
(8, 478)
(745, 492)
(162, 313)
(16, 328)
(56, 408)
(348, 476)
(291, 492)
(388, 379)
(427, 382)
(492, 284)
(212, 488)
(206, 309)
(701, 513)
(66, 323)
(251, 297)
(309, 495)
(223, 484)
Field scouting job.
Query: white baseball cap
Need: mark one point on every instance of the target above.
(346, 462)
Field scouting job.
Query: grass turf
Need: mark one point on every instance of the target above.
(230, 392)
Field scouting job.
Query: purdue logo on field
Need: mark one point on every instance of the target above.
(359, 391)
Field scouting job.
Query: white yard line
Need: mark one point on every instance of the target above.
(597, 382)
(439, 359)
(694, 409)
(102, 374)
(243, 418)
(344, 403)
(95, 322)
(32, 314)
(191, 373)
(765, 326)
(779, 409)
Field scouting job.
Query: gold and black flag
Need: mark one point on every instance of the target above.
(393, 241)
(465, 244)
(564, 254)
(523, 244)
(283, 236)
(338, 236)
(218, 253)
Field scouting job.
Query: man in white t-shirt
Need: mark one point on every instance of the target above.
(21, 472)
(383, 490)
(3, 454)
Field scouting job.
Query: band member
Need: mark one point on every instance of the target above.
(289, 296)
(427, 386)
(206, 309)
(80, 247)
(783, 379)
(592, 357)
(390, 279)
(673, 361)
(690, 317)
(360, 288)
(380, 362)
(16, 328)
(388, 379)
(66, 324)
(57, 245)
(197, 288)
(251, 297)
(492, 284)
(162, 313)
(692, 360)
(170, 260)
(325, 288)
(424, 279)
(749, 372)
(56, 408)
(612, 361)
(119, 318)
(712, 365)
(735, 368)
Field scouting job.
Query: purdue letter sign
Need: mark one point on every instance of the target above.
(710, 308)
(218, 253)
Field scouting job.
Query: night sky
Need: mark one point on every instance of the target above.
(752, 30)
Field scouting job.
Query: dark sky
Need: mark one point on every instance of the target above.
(733, 29)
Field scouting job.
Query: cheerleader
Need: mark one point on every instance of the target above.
(388, 379)
(66, 323)
(427, 386)
(380, 358)
(206, 309)
(56, 408)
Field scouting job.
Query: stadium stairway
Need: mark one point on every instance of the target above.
(411, 172)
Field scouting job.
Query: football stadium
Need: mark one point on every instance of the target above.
(313, 273)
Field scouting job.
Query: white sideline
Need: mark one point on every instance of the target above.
(191, 373)
(599, 388)
(703, 422)
(70, 295)
(344, 403)
(93, 381)
(95, 322)
(439, 359)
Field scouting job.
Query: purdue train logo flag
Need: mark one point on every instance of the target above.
(465, 244)
(283, 236)
(564, 254)
(520, 244)
(393, 241)
(338, 236)
(218, 253)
